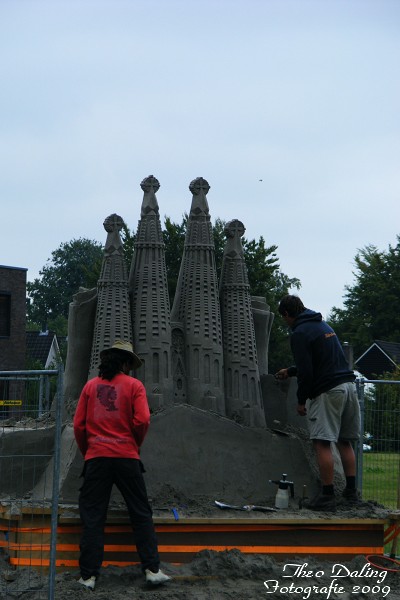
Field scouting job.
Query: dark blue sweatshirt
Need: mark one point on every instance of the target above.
(320, 361)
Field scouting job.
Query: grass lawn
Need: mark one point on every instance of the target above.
(380, 477)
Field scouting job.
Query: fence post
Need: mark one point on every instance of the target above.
(359, 473)
(398, 488)
(56, 482)
(40, 402)
(47, 395)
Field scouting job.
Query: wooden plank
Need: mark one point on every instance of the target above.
(29, 538)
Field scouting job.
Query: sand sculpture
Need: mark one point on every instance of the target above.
(218, 417)
(205, 358)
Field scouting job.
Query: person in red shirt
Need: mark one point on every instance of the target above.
(110, 423)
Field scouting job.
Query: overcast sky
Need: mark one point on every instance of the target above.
(289, 109)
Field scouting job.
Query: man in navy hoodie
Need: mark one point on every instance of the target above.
(327, 383)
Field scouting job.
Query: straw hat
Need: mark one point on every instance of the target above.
(123, 347)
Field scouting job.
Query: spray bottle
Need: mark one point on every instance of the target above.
(282, 495)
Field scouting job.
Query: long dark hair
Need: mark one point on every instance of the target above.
(292, 305)
(112, 363)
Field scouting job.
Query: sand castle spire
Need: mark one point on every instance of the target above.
(150, 307)
(196, 320)
(242, 380)
(113, 319)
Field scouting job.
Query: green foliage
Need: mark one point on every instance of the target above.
(380, 473)
(33, 364)
(262, 263)
(219, 243)
(59, 325)
(63, 346)
(392, 375)
(74, 264)
(174, 240)
(371, 304)
(128, 239)
(32, 326)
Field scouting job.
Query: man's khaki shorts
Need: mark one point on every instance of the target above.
(335, 414)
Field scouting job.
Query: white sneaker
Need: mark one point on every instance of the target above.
(156, 578)
(88, 583)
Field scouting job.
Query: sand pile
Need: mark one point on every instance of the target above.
(231, 574)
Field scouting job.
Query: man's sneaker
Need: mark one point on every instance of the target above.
(321, 502)
(351, 496)
(88, 583)
(156, 578)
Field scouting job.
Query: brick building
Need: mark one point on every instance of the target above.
(12, 318)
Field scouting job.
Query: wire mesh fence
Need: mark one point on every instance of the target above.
(379, 452)
(30, 433)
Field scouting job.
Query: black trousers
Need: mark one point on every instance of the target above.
(100, 474)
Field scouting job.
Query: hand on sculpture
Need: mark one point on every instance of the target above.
(282, 374)
(301, 410)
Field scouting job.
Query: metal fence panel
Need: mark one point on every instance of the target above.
(379, 452)
(30, 434)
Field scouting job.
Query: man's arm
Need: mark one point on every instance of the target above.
(80, 423)
(285, 373)
(305, 373)
(141, 414)
(291, 372)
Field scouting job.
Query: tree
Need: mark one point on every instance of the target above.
(174, 240)
(74, 264)
(128, 239)
(371, 304)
